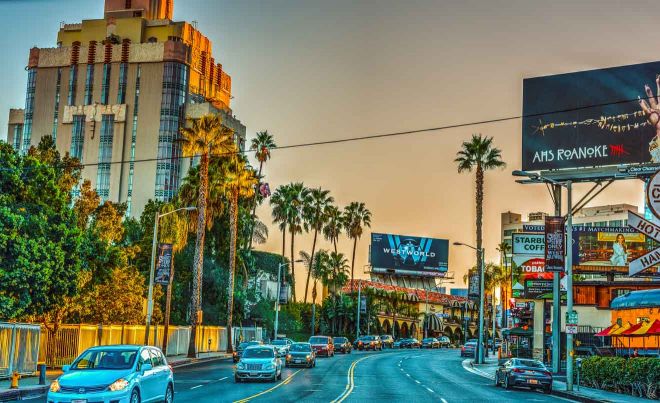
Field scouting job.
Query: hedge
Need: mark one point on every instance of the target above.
(634, 376)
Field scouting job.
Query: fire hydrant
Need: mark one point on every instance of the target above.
(14, 380)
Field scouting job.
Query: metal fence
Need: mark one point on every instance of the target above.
(19, 348)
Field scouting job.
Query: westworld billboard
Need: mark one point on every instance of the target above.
(409, 255)
(592, 118)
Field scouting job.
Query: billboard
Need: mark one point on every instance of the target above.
(554, 244)
(528, 244)
(609, 247)
(591, 118)
(409, 255)
(530, 279)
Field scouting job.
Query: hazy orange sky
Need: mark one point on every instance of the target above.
(314, 70)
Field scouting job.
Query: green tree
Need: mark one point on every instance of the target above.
(356, 217)
(333, 226)
(86, 203)
(315, 217)
(505, 279)
(206, 137)
(479, 155)
(261, 145)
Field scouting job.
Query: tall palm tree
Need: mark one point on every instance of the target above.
(334, 225)
(337, 277)
(297, 196)
(479, 155)
(239, 183)
(205, 137)
(505, 281)
(314, 216)
(261, 145)
(280, 212)
(356, 217)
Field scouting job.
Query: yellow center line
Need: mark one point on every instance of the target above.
(350, 381)
(284, 382)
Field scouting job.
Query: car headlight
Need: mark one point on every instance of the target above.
(119, 384)
(309, 357)
(269, 366)
(240, 365)
(288, 357)
(55, 386)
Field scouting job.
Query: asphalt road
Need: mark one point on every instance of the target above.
(392, 376)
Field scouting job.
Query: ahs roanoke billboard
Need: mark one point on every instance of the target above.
(409, 255)
(591, 118)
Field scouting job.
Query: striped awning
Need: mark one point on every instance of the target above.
(431, 322)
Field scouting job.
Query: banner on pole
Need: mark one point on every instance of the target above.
(164, 264)
(554, 244)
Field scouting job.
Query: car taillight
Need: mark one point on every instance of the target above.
(518, 370)
(463, 348)
(547, 373)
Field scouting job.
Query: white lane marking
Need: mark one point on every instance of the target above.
(443, 400)
(417, 382)
(430, 390)
(408, 375)
(195, 387)
(222, 379)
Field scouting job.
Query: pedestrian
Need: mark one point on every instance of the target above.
(635, 353)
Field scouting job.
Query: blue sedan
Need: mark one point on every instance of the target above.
(123, 374)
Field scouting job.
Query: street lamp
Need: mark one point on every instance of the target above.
(556, 328)
(277, 298)
(150, 298)
(479, 353)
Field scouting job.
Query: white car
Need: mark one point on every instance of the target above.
(444, 341)
(282, 345)
(121, 374)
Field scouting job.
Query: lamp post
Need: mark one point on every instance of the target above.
(150, 297)
(277, 297)
(536, 178)
(479, 353)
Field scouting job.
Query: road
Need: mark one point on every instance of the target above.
(392, 375)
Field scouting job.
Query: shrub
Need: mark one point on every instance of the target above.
(636, 376)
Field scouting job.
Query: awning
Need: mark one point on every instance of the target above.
(431, 322)
(607, 331)
(621, 329)
(517, 331)
(654, 330)
(638, 329)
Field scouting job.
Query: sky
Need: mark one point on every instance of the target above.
(313, 70)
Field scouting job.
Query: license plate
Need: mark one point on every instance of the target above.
(79, 401)
(253, 374)
(298, 361)
(532, 381)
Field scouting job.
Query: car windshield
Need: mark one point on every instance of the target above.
(318, 340)
(531, 363)
(339, 340)
(369, 338)
(302, 347)
(279, 343)
(259, 353)
(247, 344)
(106, 359)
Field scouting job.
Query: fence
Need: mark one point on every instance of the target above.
(19, 348)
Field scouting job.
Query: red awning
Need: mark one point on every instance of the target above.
(607, 330)
(654, 329)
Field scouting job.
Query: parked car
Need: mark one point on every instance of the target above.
(236, 356)
(410, 343)
(444, 341)
(397, 344)
(371, 343)
(388, 340)
(259, 362)
(301, 354)
(469, 349)
(523, 372)
(342, 344)
(430, 342)
(115, 373)
(282, 346)
(323, 345)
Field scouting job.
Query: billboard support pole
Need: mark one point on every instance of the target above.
(359, 307)
(556, 298)
(277, 299)
(482, 300)
(569, 286)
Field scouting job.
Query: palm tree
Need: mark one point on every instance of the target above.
(337, 277)
(261, 145)
(297, 196)
(320, 270)
(314, 216)
(356, 216)
(333, 225)
(239, 183)
(479, 155)
(280, 212)
(204, 138)
(505, 281)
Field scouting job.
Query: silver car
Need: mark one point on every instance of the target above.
(259, 362)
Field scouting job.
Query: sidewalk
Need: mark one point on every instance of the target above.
(29, 385)
(584, 394)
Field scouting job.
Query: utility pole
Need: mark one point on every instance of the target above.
(359, 307)
(482, 297)
(277, 297)
(569, 284)
(556, 298)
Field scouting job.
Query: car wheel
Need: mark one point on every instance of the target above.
(237, 379)
(169, 394)
(135, 396)
(507, 385)
(547, 390)
(497, 380)
(280, 375)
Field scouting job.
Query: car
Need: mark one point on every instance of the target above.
(117, 373)
(258, 363)
(282, 346)
(236, 356)
(529, 373)
(397, 344)
(430, 342)
(370, 342)
(410, 343)
(469, 349)
(444, 341)
(358, 344)
(342, 344)
(323, 345)
(301, 354)
(388, 340)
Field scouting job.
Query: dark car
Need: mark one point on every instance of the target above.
(523, 372)
(430, 342)
(388, 340)
(241, 347)
(342, 344)
(410, 343)
(323, 345)
(469, 349)
(301, 354)
(371, 343)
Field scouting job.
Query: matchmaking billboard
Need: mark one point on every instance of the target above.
(409, 255)
(608, 247)
(592, 118)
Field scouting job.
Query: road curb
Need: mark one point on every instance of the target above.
(9, 395)
(575, 396)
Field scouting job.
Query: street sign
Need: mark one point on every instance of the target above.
(571, 318)
(571, 329)
(653, 194)
(651, 230)
(644, 226)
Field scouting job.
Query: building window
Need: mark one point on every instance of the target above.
(131, 165)
(105, 86)
(616, 223)
(509, 232)
(73, 81)
(18, 132)
(29, 110)
(121, 94)
(175, 89)
(56, 114)
(89, 84)
(105, 156)
(600, 224)
(77, 136)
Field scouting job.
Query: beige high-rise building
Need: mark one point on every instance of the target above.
(115, 93)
